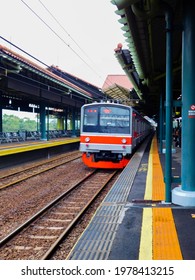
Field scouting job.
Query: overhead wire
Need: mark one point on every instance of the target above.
(36, 59)
(56, 34)
(63, 28)
(63, 39)
(25, 52)
(69, 36)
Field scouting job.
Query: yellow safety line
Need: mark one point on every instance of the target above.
(148, 190)
(37, 146)
(162, 235)
(145, 252)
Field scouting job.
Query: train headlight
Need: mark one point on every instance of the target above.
(124, 141)
(87, 139)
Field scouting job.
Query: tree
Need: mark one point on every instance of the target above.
(13, 123)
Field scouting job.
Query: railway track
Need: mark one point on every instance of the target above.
(39, 237)
(17, 176)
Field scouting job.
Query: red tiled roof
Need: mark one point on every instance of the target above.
(58, 68)
(121, 80)
(41, 69)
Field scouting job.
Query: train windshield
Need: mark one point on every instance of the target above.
(106, 119)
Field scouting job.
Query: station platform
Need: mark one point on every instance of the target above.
(134, 222)
(10, 153)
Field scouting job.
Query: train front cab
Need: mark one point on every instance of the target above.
(105, 138)
(109, 133)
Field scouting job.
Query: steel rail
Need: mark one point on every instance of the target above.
(42, 211)
(38, 172)
(52, 249)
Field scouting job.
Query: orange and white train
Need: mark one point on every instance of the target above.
(109, 134)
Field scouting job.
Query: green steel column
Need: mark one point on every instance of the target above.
(73, 122)
(43, 122)
(164, 122)
(161, 121)
(47, 113)
(78, 120)
(66, 119)
(185, 195)
(168, 105)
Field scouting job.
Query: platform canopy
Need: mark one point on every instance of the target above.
(118, 88)
(27, 82)
(143, 58)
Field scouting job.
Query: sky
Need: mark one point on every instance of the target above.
(79, 36)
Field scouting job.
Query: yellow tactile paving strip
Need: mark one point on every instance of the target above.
(158, 227)
(165, 240)
(158, 187)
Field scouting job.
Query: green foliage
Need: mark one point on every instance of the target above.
(13, 123)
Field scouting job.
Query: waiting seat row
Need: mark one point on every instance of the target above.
(51, 134)
(9, 137)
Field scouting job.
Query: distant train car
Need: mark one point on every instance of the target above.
(109, 133)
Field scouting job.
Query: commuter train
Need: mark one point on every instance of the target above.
(109, 133)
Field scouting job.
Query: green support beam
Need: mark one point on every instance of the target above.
(43, 122)
(169, 106)
(185, 195)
